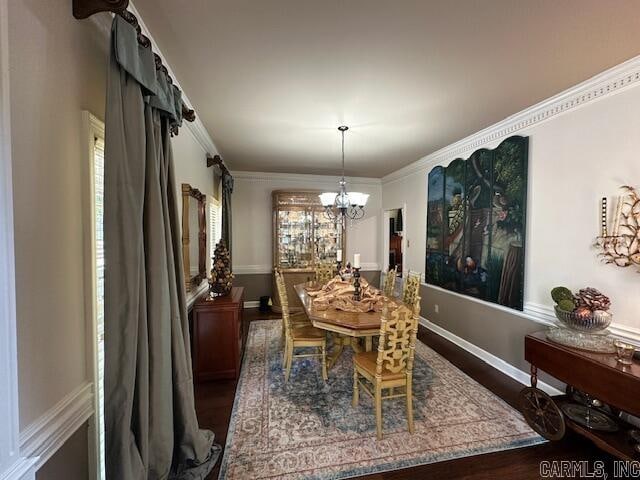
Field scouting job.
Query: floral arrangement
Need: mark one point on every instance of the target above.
(583, 303)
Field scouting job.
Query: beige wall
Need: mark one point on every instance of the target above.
(574, 159)
(70, 462)
(252, 218)
(57, 70)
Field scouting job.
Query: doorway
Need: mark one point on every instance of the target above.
(394, 240)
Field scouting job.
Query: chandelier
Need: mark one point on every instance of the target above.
(341, 205)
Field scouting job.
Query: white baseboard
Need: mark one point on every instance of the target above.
(495, 362)
(252, 304)
(47, 434)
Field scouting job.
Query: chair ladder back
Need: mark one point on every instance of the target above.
(390, 281)
(324, 272)
(284, 301)
(411, 289)
(397, 339)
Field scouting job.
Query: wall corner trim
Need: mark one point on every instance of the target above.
(22, 469)
(496, 362)
(47, 434)
(609, 82)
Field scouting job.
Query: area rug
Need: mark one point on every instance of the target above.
(307, 428)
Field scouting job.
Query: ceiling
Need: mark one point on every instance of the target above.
(272, 79)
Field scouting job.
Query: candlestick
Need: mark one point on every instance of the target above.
(604, 217)
(356, 260)
(339, 255)
(357, 292)
(616, 220)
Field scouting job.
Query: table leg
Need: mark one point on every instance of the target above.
(534, 376)
(368, 343)
(336, 351)
(355, 344)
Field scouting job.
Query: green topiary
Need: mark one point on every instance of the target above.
(561, 293)
(566, 305)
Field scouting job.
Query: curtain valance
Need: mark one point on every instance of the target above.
(139, 62)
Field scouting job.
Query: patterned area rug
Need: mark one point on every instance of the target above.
(308, 428)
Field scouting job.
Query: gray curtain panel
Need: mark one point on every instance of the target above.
(150, 421)
(227, 190)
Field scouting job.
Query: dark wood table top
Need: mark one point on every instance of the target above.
(349, 323)
(234, 297)
(600, 360)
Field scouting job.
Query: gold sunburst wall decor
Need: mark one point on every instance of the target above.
(620, 245)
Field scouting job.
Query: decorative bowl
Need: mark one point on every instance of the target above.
(593, 323)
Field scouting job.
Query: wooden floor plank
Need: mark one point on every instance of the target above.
(214, 402)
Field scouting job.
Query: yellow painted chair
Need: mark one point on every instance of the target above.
(324, 272)
(411, 289)
(391, 367)
(390, 282)
(297, 319)
(299, 336)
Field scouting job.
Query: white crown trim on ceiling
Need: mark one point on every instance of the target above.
(301, 177)
(197, 128)
(607, 83)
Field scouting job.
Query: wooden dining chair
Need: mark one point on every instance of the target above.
(411, 288)
(297, 319)
(299, 336)
(390, 282)
(391, 366)
(324, 272)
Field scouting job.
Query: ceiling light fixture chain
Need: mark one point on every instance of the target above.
(342, 205)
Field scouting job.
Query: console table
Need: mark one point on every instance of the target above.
(219, 334)
(595, 374)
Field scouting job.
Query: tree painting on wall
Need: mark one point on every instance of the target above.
(476, 224)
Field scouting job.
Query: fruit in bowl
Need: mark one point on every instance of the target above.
(586, 311)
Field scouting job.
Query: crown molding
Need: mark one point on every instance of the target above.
(103, 22)
(607, 83)
(301, 177)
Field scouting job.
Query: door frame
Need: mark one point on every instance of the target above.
(386, 215)
(12, 463)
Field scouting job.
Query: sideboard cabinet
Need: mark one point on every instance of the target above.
(219, 334)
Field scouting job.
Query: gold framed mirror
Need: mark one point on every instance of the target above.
(194, 236)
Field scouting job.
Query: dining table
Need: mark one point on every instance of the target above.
(347, 328)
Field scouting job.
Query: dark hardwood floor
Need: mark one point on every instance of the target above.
(214, 402)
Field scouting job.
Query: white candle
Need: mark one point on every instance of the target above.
(356, 260)
(339, 255)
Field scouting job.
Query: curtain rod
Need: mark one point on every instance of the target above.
(85, 8)
(217, 160)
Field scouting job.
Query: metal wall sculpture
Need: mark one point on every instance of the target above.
(476, 213)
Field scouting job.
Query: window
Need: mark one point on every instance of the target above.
(94, 271)
(215, 225)
(98, 176)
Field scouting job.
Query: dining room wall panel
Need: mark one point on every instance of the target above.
(252, 225)
(575, 158)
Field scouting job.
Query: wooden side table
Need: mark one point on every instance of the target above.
(596, 374)
(219, 336)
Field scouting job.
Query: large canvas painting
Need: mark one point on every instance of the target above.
(476, 210)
